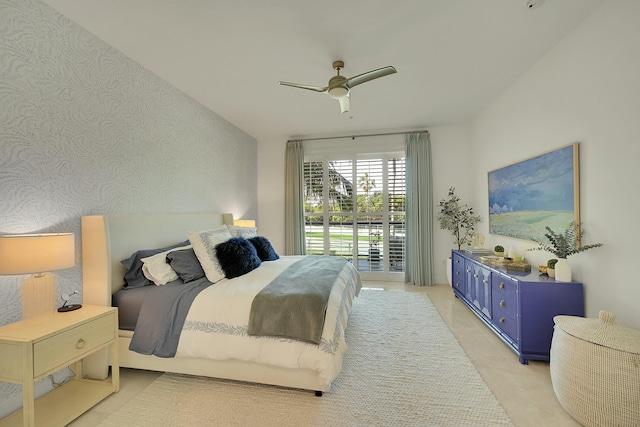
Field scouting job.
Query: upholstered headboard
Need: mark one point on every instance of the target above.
(108, 239)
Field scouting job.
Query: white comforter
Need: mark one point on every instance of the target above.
(216, 326)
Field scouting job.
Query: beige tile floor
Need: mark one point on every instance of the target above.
(525, 391)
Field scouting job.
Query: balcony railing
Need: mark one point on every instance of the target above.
(371, 252)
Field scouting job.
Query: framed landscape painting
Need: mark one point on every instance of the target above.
(528, 196)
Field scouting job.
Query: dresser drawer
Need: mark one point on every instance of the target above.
(504, 296)
(71, 344)
(458, 273)
(507, 324)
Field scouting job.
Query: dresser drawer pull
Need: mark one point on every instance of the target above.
(502, 320)
(502, 285)
(457, 273)
(484, 281)
(502, 303)
(80, 344)
(475, 275)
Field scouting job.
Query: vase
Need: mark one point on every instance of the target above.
(563, 270)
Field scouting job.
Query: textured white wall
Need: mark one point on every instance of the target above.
(85, 130)
(585, 90)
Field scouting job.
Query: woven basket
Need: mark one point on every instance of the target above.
(595, 370)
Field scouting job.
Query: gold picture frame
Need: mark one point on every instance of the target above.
(541, 191)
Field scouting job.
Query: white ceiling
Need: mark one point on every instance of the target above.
(454, 57)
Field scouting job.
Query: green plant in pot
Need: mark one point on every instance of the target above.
(551, 267)
(499, 250)
(562, 245)
(457, 218)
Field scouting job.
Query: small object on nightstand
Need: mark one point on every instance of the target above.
(70, 307)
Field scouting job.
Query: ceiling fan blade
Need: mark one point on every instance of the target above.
(370, 75)
(345, 103)
(313, 88)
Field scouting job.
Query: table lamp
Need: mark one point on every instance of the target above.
(244, 222)
(37, 254)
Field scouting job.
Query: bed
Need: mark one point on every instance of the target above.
(109, 239)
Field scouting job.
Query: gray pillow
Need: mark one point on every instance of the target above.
(134, 277)
(186, 265)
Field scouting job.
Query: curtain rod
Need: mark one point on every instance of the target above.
(358, 136)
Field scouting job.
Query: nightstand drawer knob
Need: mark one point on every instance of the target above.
(502, 303)
(502, 320)
(501, 285)
(80, 344)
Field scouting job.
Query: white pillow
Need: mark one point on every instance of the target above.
(204, 245)
(244, 232)
(157, 269)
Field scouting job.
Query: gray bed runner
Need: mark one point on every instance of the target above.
(294, 304)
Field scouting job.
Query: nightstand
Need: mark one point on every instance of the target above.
(35, 348)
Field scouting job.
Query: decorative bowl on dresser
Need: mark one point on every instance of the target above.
(518, 307)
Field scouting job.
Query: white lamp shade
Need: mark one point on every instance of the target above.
(244, 223)
(36, 253)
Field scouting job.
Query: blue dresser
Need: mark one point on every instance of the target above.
(518, 307)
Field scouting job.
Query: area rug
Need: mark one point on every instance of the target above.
(403, 367)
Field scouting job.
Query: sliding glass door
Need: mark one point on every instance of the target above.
(354, 208)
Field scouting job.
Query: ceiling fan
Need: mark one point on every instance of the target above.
(339, 87)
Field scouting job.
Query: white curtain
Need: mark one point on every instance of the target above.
(294, 238)
(419, 210)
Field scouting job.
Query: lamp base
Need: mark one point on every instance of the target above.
(38, 295)
(69, 307)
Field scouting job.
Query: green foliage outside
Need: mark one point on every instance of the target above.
(366, 217)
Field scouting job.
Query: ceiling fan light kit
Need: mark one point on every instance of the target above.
(339, 87)
(338, 92)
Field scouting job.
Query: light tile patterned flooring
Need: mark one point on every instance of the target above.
(525, 391)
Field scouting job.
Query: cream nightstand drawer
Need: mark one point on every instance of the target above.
(33, 348)
(59, 349)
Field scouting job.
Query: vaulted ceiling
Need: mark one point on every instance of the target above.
(454, 57)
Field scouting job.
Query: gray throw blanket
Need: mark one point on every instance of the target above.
(294, 304)
(162, 317)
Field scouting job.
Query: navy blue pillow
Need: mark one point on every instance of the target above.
(264, 248)
(237, 256)
(186, 265)
(134, 277)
